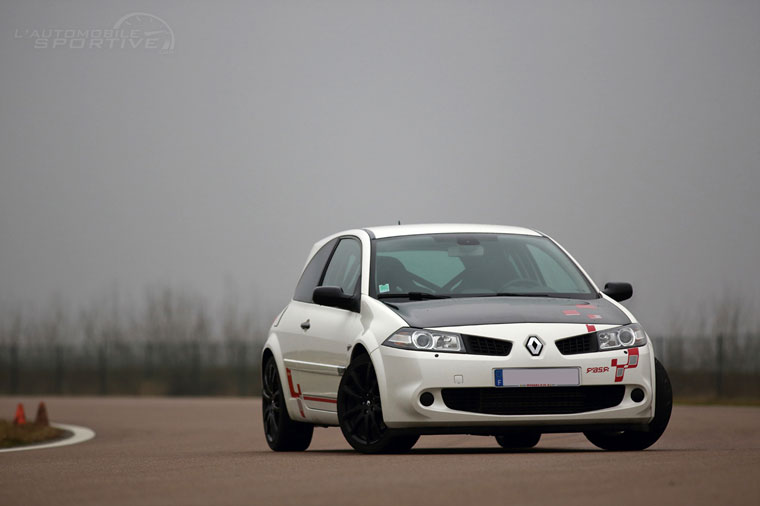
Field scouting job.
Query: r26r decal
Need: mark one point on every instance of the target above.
(597, 370)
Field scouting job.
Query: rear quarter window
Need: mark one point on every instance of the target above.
(313, 273)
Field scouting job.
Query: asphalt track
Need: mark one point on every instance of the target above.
(212, 451)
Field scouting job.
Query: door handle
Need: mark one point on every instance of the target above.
(306, 325)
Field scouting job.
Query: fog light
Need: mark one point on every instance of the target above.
(637, 395)
(426, 399)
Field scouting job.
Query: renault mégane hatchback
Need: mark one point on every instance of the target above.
(396, 332)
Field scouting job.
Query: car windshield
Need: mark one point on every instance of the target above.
(469, 265)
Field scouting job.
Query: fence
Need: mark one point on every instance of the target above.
(703, 368)
(700, 368)
(188, 368)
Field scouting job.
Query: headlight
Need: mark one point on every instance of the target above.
(627, 336)
(426, 340)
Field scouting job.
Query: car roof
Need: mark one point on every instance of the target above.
(447, 228)
(382, 232)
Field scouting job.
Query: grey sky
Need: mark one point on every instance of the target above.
(628, 131)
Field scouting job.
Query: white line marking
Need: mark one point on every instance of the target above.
(80, 435)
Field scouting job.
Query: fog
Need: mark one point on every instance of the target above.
(628, 131)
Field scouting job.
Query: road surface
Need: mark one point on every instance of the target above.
(205, 451)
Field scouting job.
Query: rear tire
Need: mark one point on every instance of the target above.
(518, 440)
(629, 440)
(360, 412)
(282, 433)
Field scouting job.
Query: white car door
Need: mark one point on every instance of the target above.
(315, 350)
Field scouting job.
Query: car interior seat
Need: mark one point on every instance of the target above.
(390, 271)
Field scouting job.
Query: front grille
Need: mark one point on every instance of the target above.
(485, 346)
(533, 400)
(585, 343)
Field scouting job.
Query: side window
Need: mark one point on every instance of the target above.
(312, 273)
(345, 266)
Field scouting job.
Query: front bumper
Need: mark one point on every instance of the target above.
(404, 375)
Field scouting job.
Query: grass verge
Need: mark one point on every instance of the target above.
(29, 433)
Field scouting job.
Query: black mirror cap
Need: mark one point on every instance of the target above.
(618, 291)
(333, 296)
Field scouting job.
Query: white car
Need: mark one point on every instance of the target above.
(395, 332)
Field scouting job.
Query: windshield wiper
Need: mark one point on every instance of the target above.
(413, 296)
(511, 294)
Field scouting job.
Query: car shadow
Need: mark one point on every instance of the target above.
(445, 451)
(469, 451)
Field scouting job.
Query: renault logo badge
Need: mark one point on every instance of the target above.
(535, 345)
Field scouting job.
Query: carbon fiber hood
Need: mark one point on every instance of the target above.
(498, 310)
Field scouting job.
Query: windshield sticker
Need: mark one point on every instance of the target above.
(384, 288)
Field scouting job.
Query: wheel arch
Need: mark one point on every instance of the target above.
(266, 354)
(358, 349)
(272, 349)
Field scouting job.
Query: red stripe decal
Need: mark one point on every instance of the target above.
(319, 399)
(590, 328)
(571, 312)
(293, 393)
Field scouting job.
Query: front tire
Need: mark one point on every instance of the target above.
(360, 412)
(629, 440)
(282, 433)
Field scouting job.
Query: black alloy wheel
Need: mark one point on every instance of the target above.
(631, 440)
(360, 412)
(282, 433)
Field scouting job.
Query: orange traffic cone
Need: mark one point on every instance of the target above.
(42, 416)
(20, 418)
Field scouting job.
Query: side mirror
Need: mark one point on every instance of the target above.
(618, 291)
(333, 296)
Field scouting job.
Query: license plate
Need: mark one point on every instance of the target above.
(537, 377)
